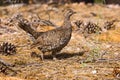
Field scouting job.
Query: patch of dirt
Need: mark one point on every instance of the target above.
(91, 58)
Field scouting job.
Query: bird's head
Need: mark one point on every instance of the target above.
(69, 12)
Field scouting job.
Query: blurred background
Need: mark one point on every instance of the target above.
(8, 2)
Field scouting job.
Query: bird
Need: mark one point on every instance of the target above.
(53, 40)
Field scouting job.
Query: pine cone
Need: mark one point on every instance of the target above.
(109, 25)
(7, 48)
(92, 28)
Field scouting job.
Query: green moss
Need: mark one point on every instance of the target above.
(99, 1)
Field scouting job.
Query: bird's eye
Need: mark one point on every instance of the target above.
(34, 20)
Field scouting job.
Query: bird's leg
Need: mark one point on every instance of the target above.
(42, 56)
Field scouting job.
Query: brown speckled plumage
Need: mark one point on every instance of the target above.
(55, 40)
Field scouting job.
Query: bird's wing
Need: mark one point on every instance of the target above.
(35, 44)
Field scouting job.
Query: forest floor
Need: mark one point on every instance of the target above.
(96, 57)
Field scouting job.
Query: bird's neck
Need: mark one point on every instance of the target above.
(67, 22)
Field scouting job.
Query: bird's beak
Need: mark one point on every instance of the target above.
(74, 12)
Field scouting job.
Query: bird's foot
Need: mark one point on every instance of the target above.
(54, 58)
(42, 57)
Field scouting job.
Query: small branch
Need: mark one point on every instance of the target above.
(5, 67)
